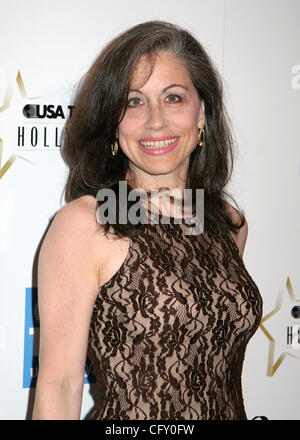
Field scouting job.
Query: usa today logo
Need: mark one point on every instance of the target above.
(43, 126)
(47, 111)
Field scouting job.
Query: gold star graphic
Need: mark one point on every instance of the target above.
(272, 367)
(6, 104)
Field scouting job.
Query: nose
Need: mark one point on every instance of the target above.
(156, 118)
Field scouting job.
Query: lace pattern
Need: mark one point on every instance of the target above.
(169, 330)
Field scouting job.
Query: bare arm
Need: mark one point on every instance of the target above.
(67, 287)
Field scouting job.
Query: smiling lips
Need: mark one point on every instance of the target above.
(158, 146)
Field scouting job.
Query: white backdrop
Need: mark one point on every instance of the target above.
(45, 48)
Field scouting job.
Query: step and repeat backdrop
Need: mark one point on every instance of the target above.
(45, 49)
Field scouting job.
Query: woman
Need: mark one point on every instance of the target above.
(164, 317)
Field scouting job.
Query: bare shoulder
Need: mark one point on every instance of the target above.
(78, 219)
(78, 213)
(75, 231)
(240, 237)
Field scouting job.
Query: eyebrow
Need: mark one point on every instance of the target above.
(164, 90)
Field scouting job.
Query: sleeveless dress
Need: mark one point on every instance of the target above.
(169, 330)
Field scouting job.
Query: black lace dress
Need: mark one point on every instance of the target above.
(169, 330)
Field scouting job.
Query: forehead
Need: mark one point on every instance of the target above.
(161, 68)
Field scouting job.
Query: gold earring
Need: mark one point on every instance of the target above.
(201, 135)
(114, 148)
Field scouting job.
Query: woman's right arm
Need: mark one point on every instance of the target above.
(67, 288)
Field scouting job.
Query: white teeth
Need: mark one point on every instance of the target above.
(158, 144)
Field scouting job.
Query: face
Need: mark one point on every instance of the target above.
(159, 130)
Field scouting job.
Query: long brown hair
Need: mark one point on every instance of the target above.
(101, 102)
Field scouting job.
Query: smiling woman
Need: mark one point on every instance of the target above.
(163, 117)
(153, 83)
(164, 316)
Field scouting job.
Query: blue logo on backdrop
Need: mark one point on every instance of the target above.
(31, 342)
(31, 339)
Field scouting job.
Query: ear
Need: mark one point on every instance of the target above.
(201, 118)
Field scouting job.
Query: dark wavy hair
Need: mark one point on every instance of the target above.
(101, 102)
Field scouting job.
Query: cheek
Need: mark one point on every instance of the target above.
(129, 127)
(188, 119)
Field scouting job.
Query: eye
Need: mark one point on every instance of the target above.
(134, 102)
(173, 98)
